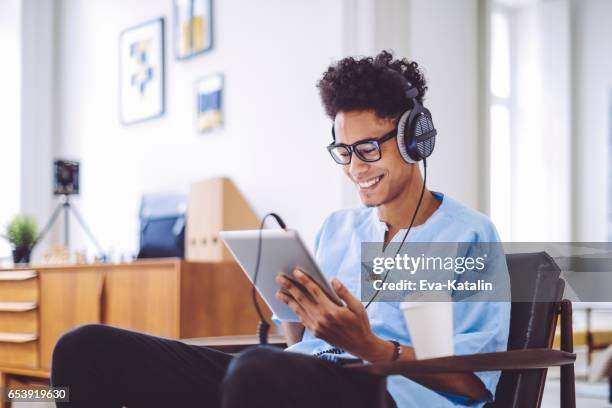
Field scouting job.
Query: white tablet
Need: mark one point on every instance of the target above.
(281, 251)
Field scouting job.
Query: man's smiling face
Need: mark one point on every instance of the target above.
(378, 182)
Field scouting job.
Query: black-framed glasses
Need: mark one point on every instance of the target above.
(367, 150)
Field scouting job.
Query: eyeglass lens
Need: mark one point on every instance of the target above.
(367, 152)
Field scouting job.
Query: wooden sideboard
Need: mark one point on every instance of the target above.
(166, 297)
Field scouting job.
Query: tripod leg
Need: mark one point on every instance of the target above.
(66, 226)
(50, 223)
(84, 226)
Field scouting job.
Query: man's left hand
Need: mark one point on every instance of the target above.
(346, 327)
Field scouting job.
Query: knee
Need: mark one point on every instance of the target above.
(251, 377)
(265, 364)
(74, 346)
(80, 339)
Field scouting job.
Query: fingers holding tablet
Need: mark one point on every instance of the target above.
(294, 288)
(296, 307)
(313, 287)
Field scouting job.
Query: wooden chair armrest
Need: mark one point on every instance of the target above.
(504, 360)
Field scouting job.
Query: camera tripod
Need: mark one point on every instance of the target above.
(68, 207)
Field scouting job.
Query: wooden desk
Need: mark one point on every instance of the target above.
(167, 297)
(235, 344)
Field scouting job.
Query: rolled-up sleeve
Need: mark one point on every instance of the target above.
(480, 327)
(483, 326)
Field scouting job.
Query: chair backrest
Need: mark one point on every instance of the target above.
(532, 324)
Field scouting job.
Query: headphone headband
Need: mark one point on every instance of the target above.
(411, 91)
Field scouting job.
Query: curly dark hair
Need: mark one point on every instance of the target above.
(369, 84)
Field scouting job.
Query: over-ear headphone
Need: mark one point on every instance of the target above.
(416, 134)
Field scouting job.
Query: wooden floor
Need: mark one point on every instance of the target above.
(588, 395)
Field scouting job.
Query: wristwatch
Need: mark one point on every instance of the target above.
(397, 351)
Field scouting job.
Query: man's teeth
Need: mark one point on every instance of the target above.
(370, 182)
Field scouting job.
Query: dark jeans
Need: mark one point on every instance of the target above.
(104, 366)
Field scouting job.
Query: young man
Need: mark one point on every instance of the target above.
(106, 366)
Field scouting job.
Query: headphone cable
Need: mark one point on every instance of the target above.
(263, 326)
(408, 230)
(337, 350)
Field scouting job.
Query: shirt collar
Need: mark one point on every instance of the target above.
(382, 227)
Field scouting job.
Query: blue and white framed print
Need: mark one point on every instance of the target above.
(141, 72)
(209, 114)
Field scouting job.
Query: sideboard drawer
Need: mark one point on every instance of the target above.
(19, 286)
(15, 319)
(18, 350)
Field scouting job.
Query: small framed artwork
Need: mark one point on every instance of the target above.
(193, 27)
(141, 72)
(209, 103)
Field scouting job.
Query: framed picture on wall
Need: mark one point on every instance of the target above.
(209, 110)
(193, 23)
(141, 72)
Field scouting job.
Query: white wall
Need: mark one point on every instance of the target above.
(556, 84)
(442, 36)
(273, 145)
(541, 131)
(444, 41)
(592, 82)
(10, 110)
(37, 110)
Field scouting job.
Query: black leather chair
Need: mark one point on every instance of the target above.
(532, 326)
(533, 323)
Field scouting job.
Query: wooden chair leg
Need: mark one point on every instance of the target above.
(568, 381)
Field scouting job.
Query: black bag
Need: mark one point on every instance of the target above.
(162, 225)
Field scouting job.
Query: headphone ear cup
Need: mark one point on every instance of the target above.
(404, 137)
(424, 134)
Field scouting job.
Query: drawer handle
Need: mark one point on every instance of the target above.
(17, 337)
(17, 306)
(17, 275)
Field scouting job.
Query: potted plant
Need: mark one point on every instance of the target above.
(21, 233)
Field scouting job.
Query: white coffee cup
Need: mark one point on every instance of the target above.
(430, 325)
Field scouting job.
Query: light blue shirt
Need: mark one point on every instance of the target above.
(479, 327)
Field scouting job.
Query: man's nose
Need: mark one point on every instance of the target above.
(357, 166)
